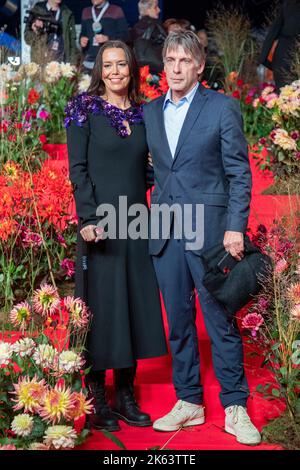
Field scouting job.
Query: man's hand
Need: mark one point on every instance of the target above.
(234, 244)
(37, 25)
(89, 234)
(101, 38)
(84, 41)
(150, 162)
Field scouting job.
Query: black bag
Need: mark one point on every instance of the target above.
(235, 287)
(149, 51)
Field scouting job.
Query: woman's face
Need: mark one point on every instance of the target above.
(115, 70)
(154, 10)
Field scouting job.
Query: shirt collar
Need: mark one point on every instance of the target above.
(188, 97)
(49, 8)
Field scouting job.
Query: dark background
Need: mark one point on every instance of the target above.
(193, 10)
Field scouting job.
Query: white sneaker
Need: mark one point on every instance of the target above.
(182, 415)
(238, 423)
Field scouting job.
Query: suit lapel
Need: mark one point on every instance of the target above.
(195, 109)
(162, 129)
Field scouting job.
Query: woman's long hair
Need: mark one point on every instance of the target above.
(97, 86)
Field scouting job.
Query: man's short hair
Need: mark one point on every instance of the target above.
(144, 6)
(189, 42)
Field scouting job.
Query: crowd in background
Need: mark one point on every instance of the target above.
(52, 34)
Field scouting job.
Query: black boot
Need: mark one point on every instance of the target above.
(103, 418)
(125, 406)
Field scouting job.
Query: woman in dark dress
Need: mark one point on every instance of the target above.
(107, 159)
(285, 30)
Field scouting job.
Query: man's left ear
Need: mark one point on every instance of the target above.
(201, 68)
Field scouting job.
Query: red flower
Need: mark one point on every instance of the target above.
(236, 94)
(18, 125)
(12, 137)
(4, 126)
(144, 72)
(240, 83)
(163, 84)
(248, 100)
(33, 96)
(43, 139)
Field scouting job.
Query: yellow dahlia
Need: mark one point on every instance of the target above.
(82, 406)
(21, 315)
(57, 404)
(45, 356)
(11, 170)
(29, 394)
(46, 300)
(60, 437)
(31, 69)
(52, 72)
(67, 70)
(294, 293)
(69, 362)
(5, 353)
(284, 141)
(22, 425)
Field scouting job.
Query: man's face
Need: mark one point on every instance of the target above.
(182, 70)
(154, 10)
(98, 2)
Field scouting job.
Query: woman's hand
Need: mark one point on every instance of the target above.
(92, 233)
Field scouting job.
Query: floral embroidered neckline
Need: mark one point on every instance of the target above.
(79, 107)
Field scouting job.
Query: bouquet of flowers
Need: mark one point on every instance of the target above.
(273, 322)
(42, 394)
(37, 230)
(34, 98)
(283, 142)
(256, 103)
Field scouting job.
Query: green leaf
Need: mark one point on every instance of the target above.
(275, 392)
(283, 371)
(77, 385)
(113, 438)
(81, 438)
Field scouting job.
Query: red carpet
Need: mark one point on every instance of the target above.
(154, 381)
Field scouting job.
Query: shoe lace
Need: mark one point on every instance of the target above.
(99, 396)
(240, 415)
(130, 398)
(176, 409)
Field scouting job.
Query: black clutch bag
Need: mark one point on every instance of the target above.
(234, 283)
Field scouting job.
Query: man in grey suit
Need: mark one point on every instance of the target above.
(199, 153)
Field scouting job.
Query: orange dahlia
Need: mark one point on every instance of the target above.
(82, 406)
(57, 404)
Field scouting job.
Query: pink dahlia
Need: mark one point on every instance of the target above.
(46, 300)
(77, 310)
(252, 322)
